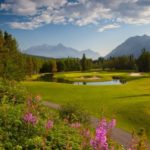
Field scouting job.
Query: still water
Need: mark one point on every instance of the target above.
(113, 82)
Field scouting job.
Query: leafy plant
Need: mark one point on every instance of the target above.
(74, 113)
(12, 92)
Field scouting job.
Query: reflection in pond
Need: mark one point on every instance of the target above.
(50, 78)
(113, 82)
(46, 77)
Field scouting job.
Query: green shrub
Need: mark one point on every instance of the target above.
(17, 134)
(74, 113)
(12, 92)
(64, 137)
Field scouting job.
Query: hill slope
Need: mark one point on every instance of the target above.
(132, 46)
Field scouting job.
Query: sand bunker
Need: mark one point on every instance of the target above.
(89, 78)
(135, 74)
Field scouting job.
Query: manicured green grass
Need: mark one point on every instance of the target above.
(128, 103)
(87, 76)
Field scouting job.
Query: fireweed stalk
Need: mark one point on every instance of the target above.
(33, 103)
(100, 140)
(86, 134)
(30, 118)
(30, 110)
(48, 125)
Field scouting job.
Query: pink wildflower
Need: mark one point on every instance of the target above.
(86, 138)
(100, 139)
(75, 125)
(49, 124)
(86, 133)
(29, 118)
(112, 124)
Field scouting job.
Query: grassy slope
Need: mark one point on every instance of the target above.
(129, 103)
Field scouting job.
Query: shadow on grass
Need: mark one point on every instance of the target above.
(130, 96)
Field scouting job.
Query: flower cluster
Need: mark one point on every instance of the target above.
(30, 118)
(86, 133)
(75, 125)
(99, 142)
(49, 124)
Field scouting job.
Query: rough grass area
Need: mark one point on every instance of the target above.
(129, 103)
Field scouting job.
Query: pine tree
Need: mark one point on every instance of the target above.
(143, 61)
(10, 58)
(53, 66)
(83, 63)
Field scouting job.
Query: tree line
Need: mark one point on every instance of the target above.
(66, 64)
(142, 63)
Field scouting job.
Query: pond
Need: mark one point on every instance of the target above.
(50, 78)
(112, 82)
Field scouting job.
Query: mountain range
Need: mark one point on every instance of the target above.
(132, 46)
(59, 51)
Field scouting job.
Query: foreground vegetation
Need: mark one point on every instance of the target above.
(26, 124)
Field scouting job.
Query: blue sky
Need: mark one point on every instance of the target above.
(99, 25)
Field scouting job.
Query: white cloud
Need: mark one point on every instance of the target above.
(25, 25)
(31, 7)
(108, 27)
(20, 7)
(81, 12)
(79, 15)
(5, 6)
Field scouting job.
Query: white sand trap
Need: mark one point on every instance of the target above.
(90, 78)
(135, 74)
